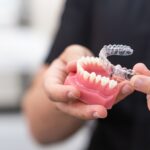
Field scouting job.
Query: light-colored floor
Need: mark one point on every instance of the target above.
(14, 135)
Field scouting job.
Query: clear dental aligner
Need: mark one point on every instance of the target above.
(118, 70)
(95, 76)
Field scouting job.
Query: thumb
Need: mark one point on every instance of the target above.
(74, 52)
(140, 68)
(141, 83)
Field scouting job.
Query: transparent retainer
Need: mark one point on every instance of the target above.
(116, 70)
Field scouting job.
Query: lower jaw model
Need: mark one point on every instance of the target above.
(93, 80)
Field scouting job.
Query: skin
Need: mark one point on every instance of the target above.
(141, 81)
(52, 109)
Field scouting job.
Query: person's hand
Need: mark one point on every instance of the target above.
(66, 97)
(141, 82)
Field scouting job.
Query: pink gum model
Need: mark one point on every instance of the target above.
(94, 83)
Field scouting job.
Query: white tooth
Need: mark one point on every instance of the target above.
(78, 65)
(98, 78)
(85, 61)
(81, 60)
(79, 68)
(81, 71)
(112, 84)
(88, 59)
(92, 76)
(97, 61)
(92, 60)
(104, 81)
(85, 75)
(100, 62)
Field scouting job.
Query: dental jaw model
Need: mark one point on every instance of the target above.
(97, 79)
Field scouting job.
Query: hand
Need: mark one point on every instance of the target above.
(141, 82)
(66, 97)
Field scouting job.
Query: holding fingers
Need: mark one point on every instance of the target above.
(66, 97)
(54, 80)
(141, 82)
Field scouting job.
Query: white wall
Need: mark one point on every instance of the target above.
(45, 14)
(23, 48)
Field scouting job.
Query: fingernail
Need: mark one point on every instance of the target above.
(126, 90)
(96, 115)
(72, 96)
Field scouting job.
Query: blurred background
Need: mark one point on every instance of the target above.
(27, 29)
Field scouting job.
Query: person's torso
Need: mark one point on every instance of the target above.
(123, 22)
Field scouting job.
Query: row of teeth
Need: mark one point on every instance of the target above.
(90, 60)
(92, 77)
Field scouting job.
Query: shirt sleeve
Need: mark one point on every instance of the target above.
(74, 27)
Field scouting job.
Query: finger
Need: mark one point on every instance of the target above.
(74, 52)
(141, 83)
(72, 66)
(148, 101)
(62, 93)
(125, 90)
(54, 84)
(140, 68)
(83, 111)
